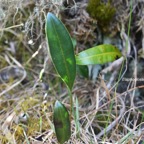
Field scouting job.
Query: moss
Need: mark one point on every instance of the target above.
(29, 103)
(31, 128)
(100, 11)
(3, 139)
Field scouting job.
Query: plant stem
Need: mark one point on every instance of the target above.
(74, 113)
(71, 102)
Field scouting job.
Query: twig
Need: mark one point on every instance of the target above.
(135, 76)
(6, 130)
(15, 26)
(113, 124)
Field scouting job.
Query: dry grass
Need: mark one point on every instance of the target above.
(26, 103)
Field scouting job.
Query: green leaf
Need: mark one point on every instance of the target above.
(74, 42)
(61, 122)
(82, 70)
(98, 55)
(61, 49)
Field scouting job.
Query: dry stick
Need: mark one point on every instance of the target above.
(138, 87)
(114, 66)
(131, 132)
(135, 75)
(121, 113)
(15, 26)
(6, 130)
(90, 126)
(113, 124)
(122, 59)
(119, 95)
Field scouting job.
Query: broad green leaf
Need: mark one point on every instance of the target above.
(61, 49)
(82, 70)
(61, 122)
(98, 55)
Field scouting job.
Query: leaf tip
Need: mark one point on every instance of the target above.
(57, 103)
(49, 14)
